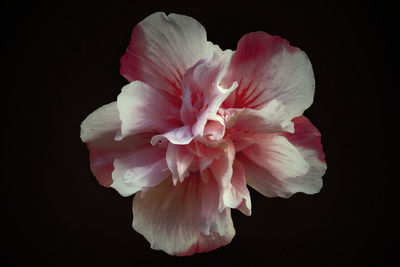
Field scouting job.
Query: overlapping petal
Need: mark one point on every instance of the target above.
(268, 68)
(296, 177)
(143, 168)
(162, 48)
(272, 118)
(99, 130)
(183, 219)
(144, 109)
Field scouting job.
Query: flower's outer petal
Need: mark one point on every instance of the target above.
(236, 195)
(306, 136)
(179, 160)
(183, 219)
(276, 154)
(103, 123)
(179, 136)
(145, 167)
(162, 48)
(98, 131)
(271, 119)
(307, 140)
(144, 109)
(268, 68)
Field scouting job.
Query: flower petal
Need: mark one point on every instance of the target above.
(162, 48)
(143, 168)
(208, 76)
(268, 68)
(221, 167)
(236, 195)
(179, 160)
(271, 119)
(183, 219)
(306, 139)
(144, 109)
(98, 130)
(179, 136)
(307, 136)
(276, 154)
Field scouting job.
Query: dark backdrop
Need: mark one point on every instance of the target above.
(62, 62)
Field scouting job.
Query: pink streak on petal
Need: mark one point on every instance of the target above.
(273, 118)
(162, 48)
(269, 68)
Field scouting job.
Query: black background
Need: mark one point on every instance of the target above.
(61, 62)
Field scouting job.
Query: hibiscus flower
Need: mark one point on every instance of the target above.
(197, 124)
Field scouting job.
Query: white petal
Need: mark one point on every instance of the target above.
(145, 167)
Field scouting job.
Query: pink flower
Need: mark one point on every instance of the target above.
(196, 124)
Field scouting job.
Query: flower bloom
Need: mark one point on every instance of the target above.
(197, 124)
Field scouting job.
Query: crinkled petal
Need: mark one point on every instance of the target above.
(179, 160)
(306, 139)
(271, 119)
(179, 136)
(183, 219)
(162, 48)
(143, 168)
(221, 168)
(144, 109)
(235, 194)
(268, 68)
(98, 130)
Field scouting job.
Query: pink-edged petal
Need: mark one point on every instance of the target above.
(144, 109)
(271, 119)
(268, 68)
(183, 219)
(162, 48)
(307, 141)
(143, 168)
(236, 195)
(277, 155)
(179, 136)
(98, 130)
(179, 160)
(306, 136)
